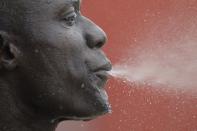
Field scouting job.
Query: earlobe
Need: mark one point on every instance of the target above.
(8, 52)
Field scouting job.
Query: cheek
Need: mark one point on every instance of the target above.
(60, 54)
(67, 57)
(58, 36)
(71, 48)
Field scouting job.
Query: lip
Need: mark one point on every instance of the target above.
(102, 74)
(102, 77)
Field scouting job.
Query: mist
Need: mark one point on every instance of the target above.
(167, 57)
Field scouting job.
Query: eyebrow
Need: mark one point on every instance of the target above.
(67, 4)
(75, 3)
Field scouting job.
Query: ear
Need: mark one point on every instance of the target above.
(8, 51)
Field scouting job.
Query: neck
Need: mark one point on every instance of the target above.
(14, 116)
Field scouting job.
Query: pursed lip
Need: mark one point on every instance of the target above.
(102, 76)
(99, 75)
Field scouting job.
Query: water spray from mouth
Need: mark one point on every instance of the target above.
(173, 66)
(164, 56)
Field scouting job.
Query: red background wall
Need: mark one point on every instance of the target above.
(141, 108)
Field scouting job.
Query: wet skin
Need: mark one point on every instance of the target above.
(55, 61)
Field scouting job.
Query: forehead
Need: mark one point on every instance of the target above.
(47, 6)
(62, 1)
(67, 1)
(44, 3)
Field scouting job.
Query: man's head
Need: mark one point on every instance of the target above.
(52, 56)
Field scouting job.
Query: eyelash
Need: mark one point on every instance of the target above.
(70, 19)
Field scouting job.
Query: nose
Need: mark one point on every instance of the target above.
(95, 39)
(94, 35)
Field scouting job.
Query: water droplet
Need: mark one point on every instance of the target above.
(83, 85)
(36, 51)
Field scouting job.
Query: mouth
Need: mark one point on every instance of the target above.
(100, 78)
(95, 102)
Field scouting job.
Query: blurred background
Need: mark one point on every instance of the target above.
(132, 24)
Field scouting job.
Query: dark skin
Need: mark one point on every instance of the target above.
(52, 65)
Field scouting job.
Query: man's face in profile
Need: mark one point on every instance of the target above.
(61, 63)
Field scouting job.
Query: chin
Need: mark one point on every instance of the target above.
(88, 102)
(87, 117)
(93, 105)
(98, 98)
(96, 106)
(89, 112)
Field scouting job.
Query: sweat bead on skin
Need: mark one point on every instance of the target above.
(48, 51)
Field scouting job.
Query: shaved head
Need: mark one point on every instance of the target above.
(52, 63)
(13, 12)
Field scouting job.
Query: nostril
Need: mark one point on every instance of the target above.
(95, 43)
(101, 41)
(95, 40)
(99, 44)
